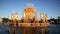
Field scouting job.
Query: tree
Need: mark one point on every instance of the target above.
(58, 18)
(5, 20)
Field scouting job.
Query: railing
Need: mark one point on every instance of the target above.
(32, 24)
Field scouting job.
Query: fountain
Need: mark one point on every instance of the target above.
(29, 25)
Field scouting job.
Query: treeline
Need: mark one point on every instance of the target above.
(5, 20)
(52, 20)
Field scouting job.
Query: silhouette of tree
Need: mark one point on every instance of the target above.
(58, 18)
(5, 20)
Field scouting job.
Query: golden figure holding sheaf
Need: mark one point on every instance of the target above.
(15, 16)
(29, 13)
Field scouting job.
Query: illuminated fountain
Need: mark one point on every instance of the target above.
(43, 18)
(15, 16)
(29, 13)
(29, 18)
(46, 18)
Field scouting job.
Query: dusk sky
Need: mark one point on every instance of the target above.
(50, 7)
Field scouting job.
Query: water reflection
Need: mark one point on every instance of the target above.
(53, 29)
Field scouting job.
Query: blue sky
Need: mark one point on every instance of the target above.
(50, 7)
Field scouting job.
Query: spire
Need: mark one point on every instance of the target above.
(30, 5)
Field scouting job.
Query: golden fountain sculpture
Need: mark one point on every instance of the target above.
(29, 13)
